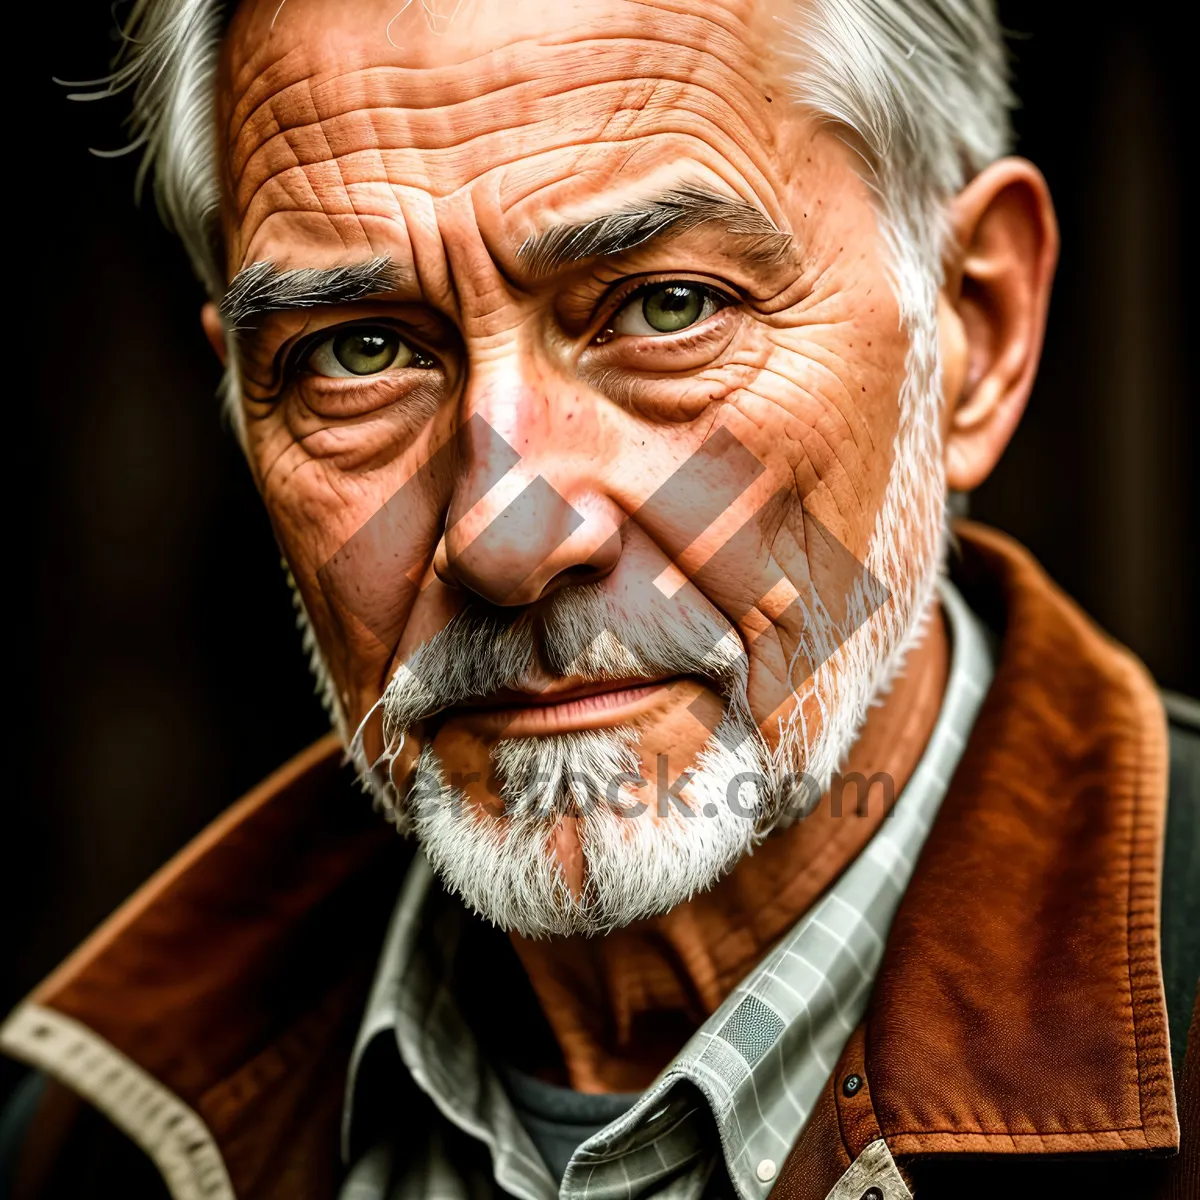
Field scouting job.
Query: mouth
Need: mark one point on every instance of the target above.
(560, 708)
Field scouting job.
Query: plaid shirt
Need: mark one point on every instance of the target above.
(741, 1089)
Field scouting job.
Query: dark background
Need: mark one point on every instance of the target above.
(160, 672)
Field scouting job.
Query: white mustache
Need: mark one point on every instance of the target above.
(580, 634)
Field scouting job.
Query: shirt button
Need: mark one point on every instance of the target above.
(766, 1170)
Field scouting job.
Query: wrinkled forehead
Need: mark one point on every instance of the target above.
(331, 109)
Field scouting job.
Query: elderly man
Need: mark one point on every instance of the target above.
(606, 368)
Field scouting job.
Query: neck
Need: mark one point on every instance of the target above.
(620, 1007)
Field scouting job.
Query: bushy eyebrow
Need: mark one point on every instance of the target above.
(263, 288)
(675, 212)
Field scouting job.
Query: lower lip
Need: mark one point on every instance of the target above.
(602, 710)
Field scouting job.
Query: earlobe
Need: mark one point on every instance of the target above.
(998, 285)
(214, 330)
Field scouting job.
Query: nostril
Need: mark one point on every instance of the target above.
(578, 574)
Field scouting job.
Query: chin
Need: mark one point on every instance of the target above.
(643, 854)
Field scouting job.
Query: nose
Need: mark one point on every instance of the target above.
(529, 513)
(524, 550)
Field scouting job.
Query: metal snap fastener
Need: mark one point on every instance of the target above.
(852, 1085)
(766, 1171)
(872, 1193)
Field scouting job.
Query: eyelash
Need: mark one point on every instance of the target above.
(295, 359)
(623, 297)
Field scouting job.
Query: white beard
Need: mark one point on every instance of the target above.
(637, 866)
(506, 869)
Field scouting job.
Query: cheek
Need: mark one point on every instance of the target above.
(358, 546)
(822, 416)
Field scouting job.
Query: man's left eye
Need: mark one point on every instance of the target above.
(665, 308)
(363, 350)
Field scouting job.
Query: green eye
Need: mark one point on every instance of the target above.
(363, 350)
(666, 308)
(673, 307)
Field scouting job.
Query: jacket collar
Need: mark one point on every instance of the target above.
(211, 1017)
(1019, 1006)
(1020, 1003)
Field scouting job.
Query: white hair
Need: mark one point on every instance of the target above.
(921, 87)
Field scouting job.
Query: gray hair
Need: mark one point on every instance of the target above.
(920, 85)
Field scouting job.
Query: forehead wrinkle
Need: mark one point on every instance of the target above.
(395, 126)
(252, 90)
(262, 111)
(441, 174)
(715, 116)
(252, 67)
(290, 191)
(447, 169)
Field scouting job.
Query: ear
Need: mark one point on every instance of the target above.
(992, 312)
(214, 330)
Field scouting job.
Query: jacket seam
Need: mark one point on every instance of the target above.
(1041, 1134)
(169, 1131)
(1132, 865)
(1147, 833)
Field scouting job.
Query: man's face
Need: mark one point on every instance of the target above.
(601, 444)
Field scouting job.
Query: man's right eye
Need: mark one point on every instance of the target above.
(359, 350)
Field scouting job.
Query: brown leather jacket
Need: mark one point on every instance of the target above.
(1016, 1044)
